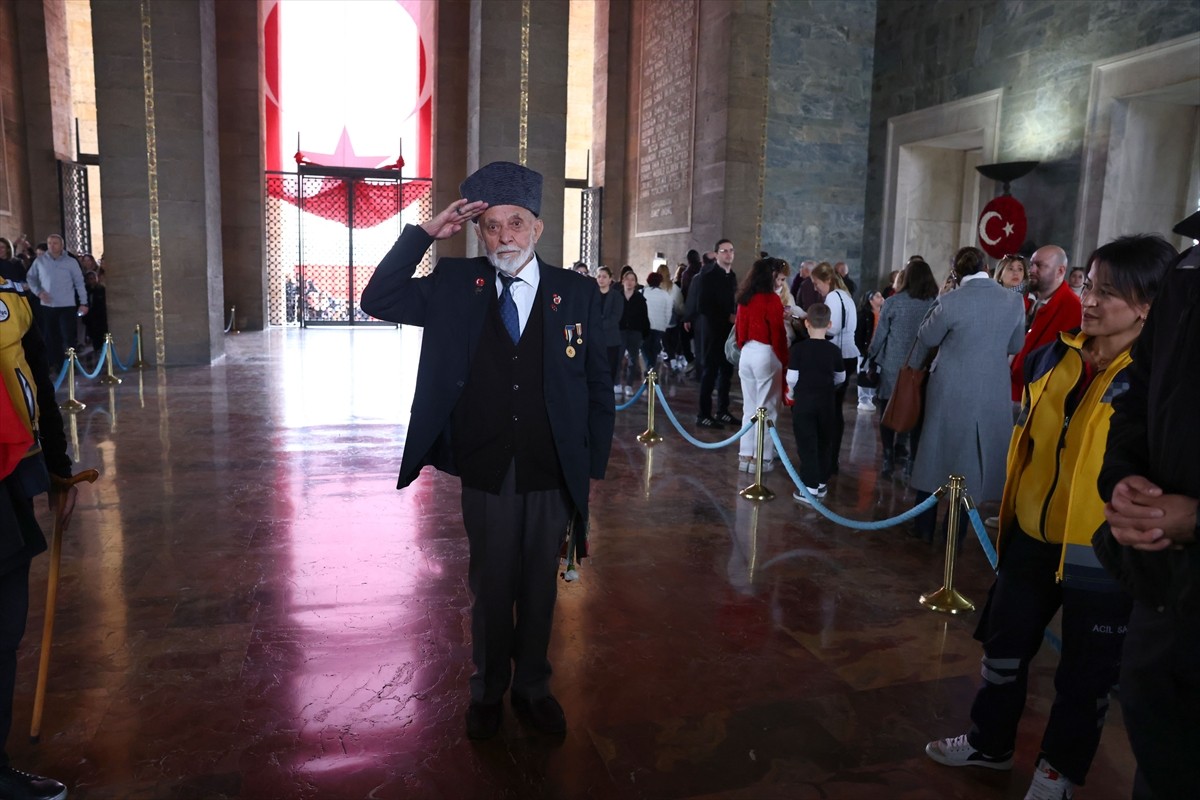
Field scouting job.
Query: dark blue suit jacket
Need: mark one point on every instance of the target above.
(451, 304)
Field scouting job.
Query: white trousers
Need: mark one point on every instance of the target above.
(759, 370)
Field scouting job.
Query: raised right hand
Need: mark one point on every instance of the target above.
(451, 221)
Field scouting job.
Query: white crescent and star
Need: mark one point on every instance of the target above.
(983, 223)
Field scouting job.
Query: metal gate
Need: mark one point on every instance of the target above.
(327, 229)
(591, 209)
(74, 207)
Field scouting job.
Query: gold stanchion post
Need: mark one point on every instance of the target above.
(138, 362)
(756, 490)
(109, 377)
(72, 405)
(648, 436)
(233, 319)
(947, 598)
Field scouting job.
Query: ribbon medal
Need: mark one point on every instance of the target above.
(578, 333)
(567, 337)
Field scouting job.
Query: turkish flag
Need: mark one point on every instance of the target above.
(1002, 226)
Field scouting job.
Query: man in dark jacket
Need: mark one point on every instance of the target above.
(514, 396)
(717, 308)
(1151, 483)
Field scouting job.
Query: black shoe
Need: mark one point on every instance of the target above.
(544, 714)
(17, 785)
(483, 720)
(708, 422)
(725, 417)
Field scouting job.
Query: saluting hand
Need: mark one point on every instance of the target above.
(451, 221)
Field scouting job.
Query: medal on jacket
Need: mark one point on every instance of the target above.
(567, 337)
(578, 333)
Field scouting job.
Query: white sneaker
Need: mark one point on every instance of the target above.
(628, 391)
(800, 498)
(617, 390)
(992, 522)
(958, 752)
(1049, 784)
(745, 465)
(821, 490)
(867, 407)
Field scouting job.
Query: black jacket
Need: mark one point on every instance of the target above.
(452, 305)
(1155, 433)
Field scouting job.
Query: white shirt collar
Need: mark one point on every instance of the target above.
(974, 276)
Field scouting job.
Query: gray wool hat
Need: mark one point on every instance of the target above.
(503, 183)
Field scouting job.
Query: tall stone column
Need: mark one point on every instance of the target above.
(240, 79)
(517, 106)
(156, 104)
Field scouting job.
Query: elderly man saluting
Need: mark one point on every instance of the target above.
(514, 396)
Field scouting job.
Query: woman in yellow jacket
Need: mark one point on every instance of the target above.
(1049, 511)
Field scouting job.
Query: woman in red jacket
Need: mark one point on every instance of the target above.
(762, 338)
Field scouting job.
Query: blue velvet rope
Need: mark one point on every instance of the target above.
(633, 399)
(703, 445)
(873, 525)
(62, 375)
(132, 355)
(99, 364)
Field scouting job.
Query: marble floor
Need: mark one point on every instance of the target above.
(248, 609)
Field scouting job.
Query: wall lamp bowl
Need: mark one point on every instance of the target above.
(1006, 172)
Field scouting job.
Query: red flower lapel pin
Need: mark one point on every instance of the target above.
(479, 283)
(554, 301)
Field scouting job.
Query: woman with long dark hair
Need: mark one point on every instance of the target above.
(1050, 509)
(635, 327)
(610, 317)
(899, 320)
(762, 339)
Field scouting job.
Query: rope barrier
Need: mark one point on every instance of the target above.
(692, 439)
(981, 534)
(633, 399)
(99, 364)
(62, 375)
(873, 525)
(132, 354)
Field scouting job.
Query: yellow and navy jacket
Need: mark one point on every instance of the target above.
(1054, 459)
(19, 439)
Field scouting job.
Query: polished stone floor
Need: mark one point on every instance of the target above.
(248, 609)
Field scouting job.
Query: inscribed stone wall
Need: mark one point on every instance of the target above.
(817, 130)
(1040, 53)
(666, 114)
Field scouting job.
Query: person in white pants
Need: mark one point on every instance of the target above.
(762, 339)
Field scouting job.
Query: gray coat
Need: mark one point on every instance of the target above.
(968, 412)
(899, 320)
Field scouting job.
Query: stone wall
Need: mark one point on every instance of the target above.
(729, 85)
(817, 130)
(15, 212)
(1040, 53)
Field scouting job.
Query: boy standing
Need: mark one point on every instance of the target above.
(815, 367)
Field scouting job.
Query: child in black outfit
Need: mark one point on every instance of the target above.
(815, 367)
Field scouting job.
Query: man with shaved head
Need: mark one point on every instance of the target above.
(1050, 308)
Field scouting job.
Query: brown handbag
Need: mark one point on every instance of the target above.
(903, 410)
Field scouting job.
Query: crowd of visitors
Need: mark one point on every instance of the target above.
(1033, 366)
(65, 292)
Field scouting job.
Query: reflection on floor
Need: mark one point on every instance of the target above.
(249, 609)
